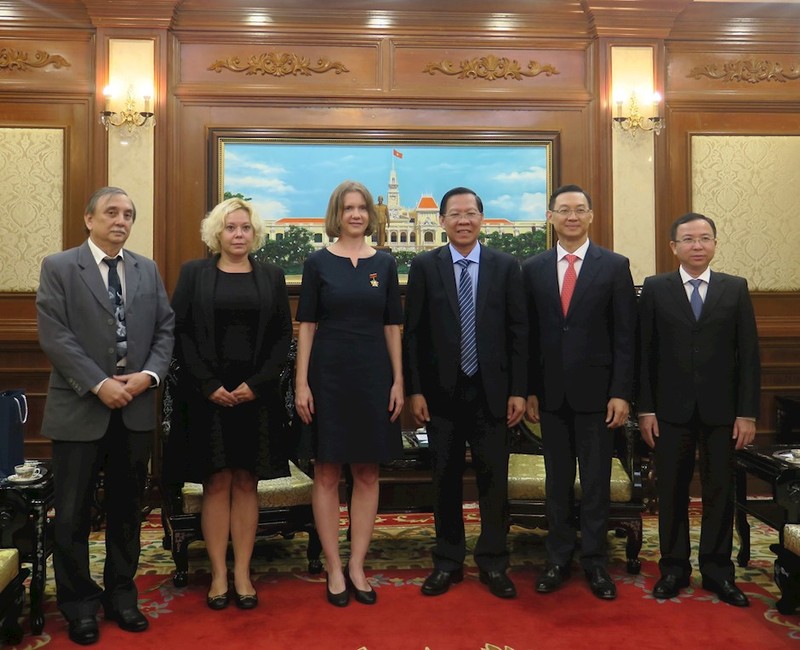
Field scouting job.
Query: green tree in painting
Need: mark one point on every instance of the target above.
(290, 251)
(521, 246)
(238, 195)
(403, 259)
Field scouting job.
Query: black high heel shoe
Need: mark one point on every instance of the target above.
(368, 597)
(342, 598)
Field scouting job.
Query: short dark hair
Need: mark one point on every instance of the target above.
(688, 218)
(94, 199)
(454, 192)
(568, 188)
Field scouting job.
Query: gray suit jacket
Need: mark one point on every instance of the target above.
(77, 333)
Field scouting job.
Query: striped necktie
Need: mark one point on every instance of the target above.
(466, 307)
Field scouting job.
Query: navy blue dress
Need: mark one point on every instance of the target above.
(350, 373)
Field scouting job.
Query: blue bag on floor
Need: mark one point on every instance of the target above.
(13, 416)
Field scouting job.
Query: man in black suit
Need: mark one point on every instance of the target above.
(465, 341)
(699, 388)
(582, 318)
(105, 324)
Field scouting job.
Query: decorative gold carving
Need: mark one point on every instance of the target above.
(18, 60)
(278, 64)
(751, 71)
(490, 68)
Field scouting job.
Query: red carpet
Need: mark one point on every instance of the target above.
(294, 613)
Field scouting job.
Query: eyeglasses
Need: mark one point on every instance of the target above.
(565, 212)
(472, 215)
(705, 240)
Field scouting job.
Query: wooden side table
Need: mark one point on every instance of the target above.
(34, 539)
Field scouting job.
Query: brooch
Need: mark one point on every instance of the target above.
(373, 279)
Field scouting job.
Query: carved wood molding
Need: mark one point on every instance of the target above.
(749, 70)
(490, 68)
(278, 64)
(19, 60)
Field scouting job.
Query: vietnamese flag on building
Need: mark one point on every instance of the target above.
(396, 153)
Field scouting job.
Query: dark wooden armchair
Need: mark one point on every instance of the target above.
(284, 503)
(13, 516)
(526, 485)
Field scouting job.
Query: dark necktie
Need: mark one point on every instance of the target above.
(568, 286)
(695, 299)
(115, 296)
(466, 307)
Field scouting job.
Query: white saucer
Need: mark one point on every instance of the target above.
(14, 478)
(786, 455)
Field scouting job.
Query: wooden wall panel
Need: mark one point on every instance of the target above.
(282, 66)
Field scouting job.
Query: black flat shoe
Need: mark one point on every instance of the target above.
(218, 602)
(365, 597)
(83, 631)
(245, 601)
(130, 619)
(439, 581)
(342, 599)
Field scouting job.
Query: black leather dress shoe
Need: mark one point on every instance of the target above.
(727, 591)
(245, 601)
(83, 631)
(601, 583)
(439, 581)
(130, 619)
(668, 586)
(499, 583)
(553, 577)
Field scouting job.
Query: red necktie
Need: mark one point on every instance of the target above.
(570, 277)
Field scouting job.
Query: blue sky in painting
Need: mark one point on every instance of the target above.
(296, 180)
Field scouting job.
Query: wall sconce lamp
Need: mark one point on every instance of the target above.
(129, 117)
(635, 122)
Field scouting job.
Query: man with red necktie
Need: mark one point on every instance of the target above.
(582, 318)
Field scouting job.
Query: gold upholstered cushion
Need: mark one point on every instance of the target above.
(281, 492)
(526, 477)
(9, 566)
(791, 538)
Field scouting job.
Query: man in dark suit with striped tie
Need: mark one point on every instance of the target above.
(582, 317)
(699, 388)
(465, 340)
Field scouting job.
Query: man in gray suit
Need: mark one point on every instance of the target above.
(106, 326)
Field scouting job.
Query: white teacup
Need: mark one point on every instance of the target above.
(28, 471)
(795, 454)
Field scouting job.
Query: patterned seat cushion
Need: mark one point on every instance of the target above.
(281, 492)
(791, 538)
(9, 566)
(526, 476)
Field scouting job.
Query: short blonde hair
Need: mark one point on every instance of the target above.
(214, 223)
(333, 217)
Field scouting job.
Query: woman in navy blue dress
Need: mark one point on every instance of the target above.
(349, 381)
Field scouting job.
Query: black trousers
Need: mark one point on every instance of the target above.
(567, 436)
(466, 418)
(123, 455)
(676, 447)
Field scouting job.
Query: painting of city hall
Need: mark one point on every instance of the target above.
(289, 185)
